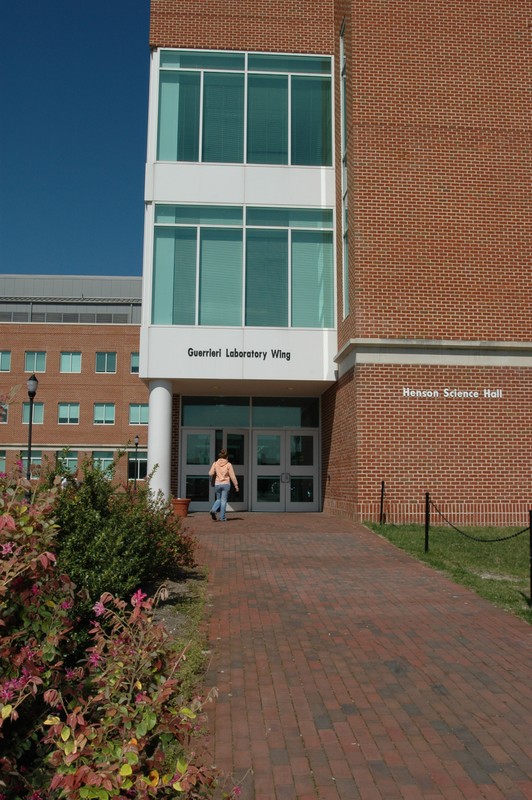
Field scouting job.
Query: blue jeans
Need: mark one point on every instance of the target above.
(221, 491)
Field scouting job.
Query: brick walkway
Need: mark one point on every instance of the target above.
(348, 670)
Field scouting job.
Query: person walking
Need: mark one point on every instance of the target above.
(224, 474)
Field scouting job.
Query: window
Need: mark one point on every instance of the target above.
(267, 256)
(70, 362)
(285, 412)
(345, 219)
(211, 412)
(2, 461)
(5, 360)
(104, 413)
(4, 412)
(105, 362)
(229, 107)
(36, 459)
(134, 368)
(138, 413)
(137, 465)
(35, 361)
(67, 460)
(103, 459)
(38, 413)
(68, 414)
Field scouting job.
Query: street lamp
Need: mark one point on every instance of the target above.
(33, 383)
(136, 462)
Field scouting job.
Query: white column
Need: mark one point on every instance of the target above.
(160, 435)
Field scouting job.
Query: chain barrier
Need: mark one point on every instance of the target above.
(429, 503)
(476, 538)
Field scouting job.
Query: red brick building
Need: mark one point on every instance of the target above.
(80, 337)
(430, 161)
(337, 257)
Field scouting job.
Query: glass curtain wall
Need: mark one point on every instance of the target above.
(245, 107)
(233, 266)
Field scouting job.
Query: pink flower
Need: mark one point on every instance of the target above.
(66, 604)
(138, 598)
(29, 655)
(140, 697)
(94, 659)
(98, 608)
(7, 548)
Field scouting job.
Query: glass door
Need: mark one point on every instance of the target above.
(285, 471)
(197, 455)
(199, 448)
(236, 444)
(303, 488)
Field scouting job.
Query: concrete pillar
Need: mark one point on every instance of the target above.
(160, 435)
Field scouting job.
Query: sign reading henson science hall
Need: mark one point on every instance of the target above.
(454, 394)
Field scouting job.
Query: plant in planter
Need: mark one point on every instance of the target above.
(180, 506)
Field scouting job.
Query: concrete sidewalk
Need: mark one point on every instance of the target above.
(346, 669)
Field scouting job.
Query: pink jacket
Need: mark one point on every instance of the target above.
(223, 472)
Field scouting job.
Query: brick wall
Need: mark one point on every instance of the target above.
(439, 169)
(439, 165)
(294, 26)
(176, 459)
(471, 453)
(87, 388)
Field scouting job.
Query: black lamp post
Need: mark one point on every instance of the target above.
(33, 383)
(136, 462)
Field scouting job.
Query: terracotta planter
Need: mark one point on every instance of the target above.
(180, 506)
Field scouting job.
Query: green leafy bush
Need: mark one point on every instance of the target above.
(124, 729)
(113, 539)
(113, 724)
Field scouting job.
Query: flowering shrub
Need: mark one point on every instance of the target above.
(112, 724)
(121, 728)
(35, 600)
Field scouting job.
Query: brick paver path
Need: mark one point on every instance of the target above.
(346, 669)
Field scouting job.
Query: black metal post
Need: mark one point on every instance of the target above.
(32, 391)
(136, 463)
(381, 516)
(427, 521)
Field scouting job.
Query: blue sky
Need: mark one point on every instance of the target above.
(73, 115)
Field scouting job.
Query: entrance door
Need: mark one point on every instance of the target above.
(236, 444)
(285, 471)
(198, 450)
(197, 455)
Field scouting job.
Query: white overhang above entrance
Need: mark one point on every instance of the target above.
(239, 361)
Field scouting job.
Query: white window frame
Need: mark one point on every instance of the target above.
(69, 407)
(38, 413)
(34, 356)
(65, 359)
(5, 358)
(139, 407)
(106, 407)
(105, 353)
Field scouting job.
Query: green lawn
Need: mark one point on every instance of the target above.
(497, 571)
